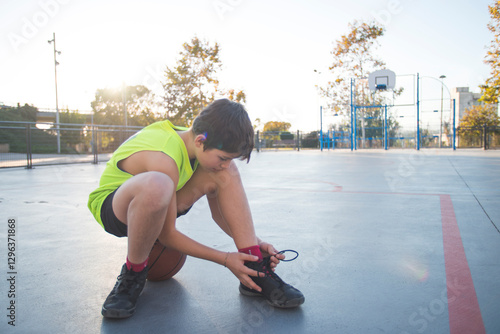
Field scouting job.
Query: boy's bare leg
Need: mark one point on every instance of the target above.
(226, 190)
(142, 203)
(231, 211)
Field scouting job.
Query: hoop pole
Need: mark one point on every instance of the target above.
(385, 127)
(355, 127)
(352, 128)
(418, 113)
(454, 128)
(321, 128)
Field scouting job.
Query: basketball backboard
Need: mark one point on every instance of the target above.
(382, 80)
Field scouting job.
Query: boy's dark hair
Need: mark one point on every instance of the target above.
(227, 127)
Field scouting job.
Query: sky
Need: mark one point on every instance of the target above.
(269, 49)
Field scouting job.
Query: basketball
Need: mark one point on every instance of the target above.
(164, 262)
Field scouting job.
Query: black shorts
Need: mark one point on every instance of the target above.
(112, 224)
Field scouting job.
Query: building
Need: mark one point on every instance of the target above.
(464, 99)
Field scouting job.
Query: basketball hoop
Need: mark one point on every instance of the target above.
(381, 80)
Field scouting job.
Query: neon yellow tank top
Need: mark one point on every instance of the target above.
(159, 136)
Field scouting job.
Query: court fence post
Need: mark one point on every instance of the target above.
(257, 139)
(352, 136)
(385, 127)
(321, 128)
(94, 145)
(454, 128)
(29, 158)
(298, 140)
(485, 137)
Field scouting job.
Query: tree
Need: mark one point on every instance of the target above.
(237, 96)
(109, 105)
(353, 57)
(491, 89)
(192, 83)
(256, 123)
(274, 131)
(42, 140)
(479, 116)
(72, 135)
(25, 113)
(14, 137)
(276, 126)
(109, 109)
(475, 121)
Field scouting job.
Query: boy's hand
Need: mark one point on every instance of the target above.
(236, 263)
(268, 250)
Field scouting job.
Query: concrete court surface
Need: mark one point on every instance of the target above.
(389, 241)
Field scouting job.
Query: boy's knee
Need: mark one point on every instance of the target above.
(158, 189)
(233, 168)
(226, 176)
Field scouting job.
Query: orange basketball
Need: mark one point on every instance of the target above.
(164, 262)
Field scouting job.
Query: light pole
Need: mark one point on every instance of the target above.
(418, 103)
(318, 100)
(53, 40)
(441, 123)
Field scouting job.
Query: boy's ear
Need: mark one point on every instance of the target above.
(200, 139)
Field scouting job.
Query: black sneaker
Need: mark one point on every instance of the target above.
(276, 292)
(122, 299)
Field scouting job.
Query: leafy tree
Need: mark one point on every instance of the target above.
(108, 106)
(274, 131)
(310, 140)
(276, 126)
(426, 137)
(25, 113)
(353, 57)
(72, 135)
(236, 96)
(42, 140)
(192, 84)
(491, 89)
(479, 116)
(257, 123)
(16, 138)
(474, 122)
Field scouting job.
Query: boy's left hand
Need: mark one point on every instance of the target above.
(268, 250)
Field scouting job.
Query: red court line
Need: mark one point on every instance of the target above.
(463, 307)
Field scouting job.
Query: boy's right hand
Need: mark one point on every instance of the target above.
(236, 263)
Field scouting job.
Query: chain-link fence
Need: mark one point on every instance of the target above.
(25, 144)
(485, 137)
(284, 140)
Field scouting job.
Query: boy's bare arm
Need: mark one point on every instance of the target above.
(146, 161)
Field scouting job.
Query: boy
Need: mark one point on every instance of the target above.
(157, 175)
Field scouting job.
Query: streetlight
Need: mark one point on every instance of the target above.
(320, 107)
(441, 123)
(53, 40)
